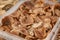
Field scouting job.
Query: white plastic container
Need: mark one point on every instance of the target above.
(14, 37)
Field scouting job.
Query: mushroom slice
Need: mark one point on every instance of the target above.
(54, 19)
(37, 25)
(57, 9)
(39, 3)
(27, 20)
(31, 32)
(7, 20)
(40, 33)
(24, 31)
(26, 6)
(57, 12)
(5, 28)
(16, 14)
(48, 27)
(47, 20)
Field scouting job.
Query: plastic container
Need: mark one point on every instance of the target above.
(14, 37)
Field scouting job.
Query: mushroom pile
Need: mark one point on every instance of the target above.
(33, 20)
